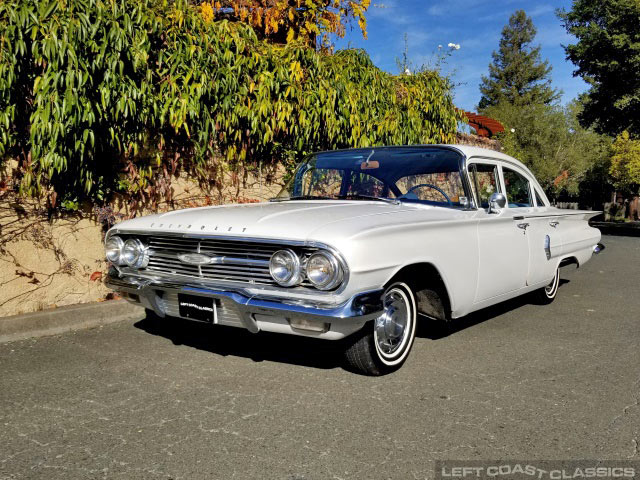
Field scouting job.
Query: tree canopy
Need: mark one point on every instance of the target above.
(292, 20)
(517, 74)
(625, 164)
(550, 141)
(607, 55)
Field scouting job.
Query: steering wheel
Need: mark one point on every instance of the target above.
(430, 186)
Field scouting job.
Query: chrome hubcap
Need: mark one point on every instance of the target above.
(391, 327)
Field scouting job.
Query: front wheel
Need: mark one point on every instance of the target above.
(547, 294)
(384, 344)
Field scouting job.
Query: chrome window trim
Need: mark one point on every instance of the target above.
(484, 161)
(538, 196)
(466, 182)
(272, 241)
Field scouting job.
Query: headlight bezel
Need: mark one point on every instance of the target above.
(141, 258)
(301, 264)
(119, 246)
(335, 278)
(296, 274)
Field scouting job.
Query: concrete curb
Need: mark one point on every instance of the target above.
(66, 319)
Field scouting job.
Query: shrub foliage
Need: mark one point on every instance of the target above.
(101, 96)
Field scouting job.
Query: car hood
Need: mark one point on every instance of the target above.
(294, 220)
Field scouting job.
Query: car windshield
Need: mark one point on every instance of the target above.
(414, 174)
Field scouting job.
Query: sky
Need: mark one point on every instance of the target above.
(475, 25)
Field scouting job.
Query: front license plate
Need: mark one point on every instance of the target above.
(202, 309)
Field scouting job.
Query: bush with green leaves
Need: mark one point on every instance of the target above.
(625, 164)
(104, 96)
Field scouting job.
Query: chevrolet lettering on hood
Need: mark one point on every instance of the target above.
(359, 245)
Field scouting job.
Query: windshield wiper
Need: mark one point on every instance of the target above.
(358, 196)
(301, 197)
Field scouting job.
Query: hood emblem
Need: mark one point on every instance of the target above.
(195, 258)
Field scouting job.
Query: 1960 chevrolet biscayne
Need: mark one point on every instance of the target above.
(359, 244)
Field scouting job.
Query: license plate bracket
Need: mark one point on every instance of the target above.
(195, 307)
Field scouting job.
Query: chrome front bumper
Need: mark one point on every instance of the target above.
(256, 313)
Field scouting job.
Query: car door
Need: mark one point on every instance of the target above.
(502, 246)
(531, 215)
(544, 238)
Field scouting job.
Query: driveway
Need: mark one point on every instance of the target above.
(176, 400)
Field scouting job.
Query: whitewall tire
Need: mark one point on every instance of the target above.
(384, 344)
(548, 294)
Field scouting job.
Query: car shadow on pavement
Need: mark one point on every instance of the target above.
(224, 340)
(293, 349)
(436, 330)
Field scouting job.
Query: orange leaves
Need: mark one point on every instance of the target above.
(95, 276)
(561, 179)
(296, 20)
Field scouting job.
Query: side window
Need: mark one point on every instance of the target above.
(484, 182)
(539, 201)
(517, 189)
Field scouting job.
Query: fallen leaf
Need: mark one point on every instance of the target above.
(95, 276)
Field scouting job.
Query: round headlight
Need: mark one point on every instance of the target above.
(134, 253)
(113, 249)
(323, 270)
(285, 268)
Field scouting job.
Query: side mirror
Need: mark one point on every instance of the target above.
(497, 201)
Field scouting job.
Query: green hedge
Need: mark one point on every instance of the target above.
(99, 96)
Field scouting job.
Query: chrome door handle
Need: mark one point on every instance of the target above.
(523, 225)
(554, 224)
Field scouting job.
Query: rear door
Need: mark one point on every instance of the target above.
(503, 248)
(531, 214)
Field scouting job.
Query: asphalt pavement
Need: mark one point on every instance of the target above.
(142, 399)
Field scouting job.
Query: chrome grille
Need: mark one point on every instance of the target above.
(234, 260)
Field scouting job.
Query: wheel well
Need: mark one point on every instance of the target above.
(429, 287)
(569, 261)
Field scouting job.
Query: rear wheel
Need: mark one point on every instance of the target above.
(547, 294)
(384, 344)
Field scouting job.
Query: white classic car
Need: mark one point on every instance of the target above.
(360, 244)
